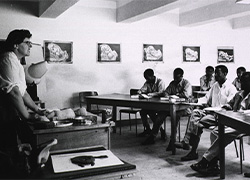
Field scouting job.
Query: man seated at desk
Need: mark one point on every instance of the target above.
(207, 80)
(179, 87)
(208, 165)
(221, 93)
(153, 87)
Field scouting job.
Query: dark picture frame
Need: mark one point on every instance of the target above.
(107, 52)
(58, 51)
(225, 54)
(152, 52)
(191, 53)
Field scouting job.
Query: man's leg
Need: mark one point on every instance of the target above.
(144, 118)
(209, 163)
(192, 128)
(179, 114)
(161, 116)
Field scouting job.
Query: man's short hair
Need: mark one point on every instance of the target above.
(209, 68)
(245, 77)
(16, 37)
(242, 69)
(223, 68)
(179, 71)
(148, 72)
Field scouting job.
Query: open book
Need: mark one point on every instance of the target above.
(143, 96)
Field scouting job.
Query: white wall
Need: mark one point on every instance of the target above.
(88, 26)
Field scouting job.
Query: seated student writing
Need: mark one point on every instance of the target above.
(179, 87)
(152, 87)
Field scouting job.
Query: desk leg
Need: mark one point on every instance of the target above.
(173, 126)
(222, 150)
(109, 142)
(114, 114)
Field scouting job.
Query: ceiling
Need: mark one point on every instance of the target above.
(189, 12)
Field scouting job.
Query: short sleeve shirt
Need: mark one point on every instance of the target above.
(12, 71)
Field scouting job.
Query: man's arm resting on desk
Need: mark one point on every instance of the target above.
(16, 100)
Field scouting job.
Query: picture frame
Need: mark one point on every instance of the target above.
(108, 52)
(152, 52)
(225, 54)
(191, 53)
(58, 51)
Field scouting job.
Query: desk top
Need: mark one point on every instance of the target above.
(127, 97)
(237, 120)
(201, 92)
(237, 116)
(73, 128)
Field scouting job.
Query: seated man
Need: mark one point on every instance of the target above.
(220, 94)
(208, 165)
(179, 87)
(207, 80)
(152, 87)
(239, 72)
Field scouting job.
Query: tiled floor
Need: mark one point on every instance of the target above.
(154, 163)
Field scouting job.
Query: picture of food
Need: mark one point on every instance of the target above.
(225, 54)
(58, 52)
(191, 53)
(108, 52)
(152, 52)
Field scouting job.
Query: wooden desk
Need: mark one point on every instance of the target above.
(236, 120)
(151, 104)
(199, 94)
(75, 136)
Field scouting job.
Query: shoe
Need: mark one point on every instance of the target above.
(246, 174)
(144, 133)
(199, 166)
(190, 156)
(163, 135)
(149, 140)
(210, 170)
(182, 145)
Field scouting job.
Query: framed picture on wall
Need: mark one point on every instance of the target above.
(108, 52)
(225, 54)
(58, 52)
(191, 53)
(152, 52)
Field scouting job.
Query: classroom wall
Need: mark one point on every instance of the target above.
(88, 26)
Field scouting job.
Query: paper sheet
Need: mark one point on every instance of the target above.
(62, 163)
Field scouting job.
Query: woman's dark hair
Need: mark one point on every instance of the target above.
(16, 37)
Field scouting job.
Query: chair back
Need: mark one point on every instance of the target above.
(83, 94)
(133, 91)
